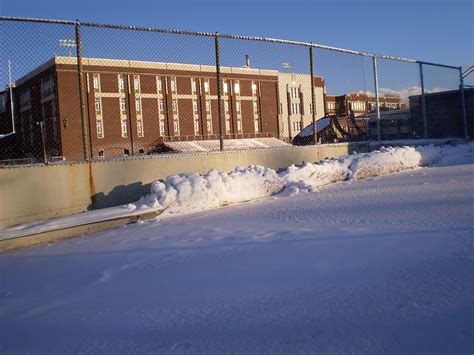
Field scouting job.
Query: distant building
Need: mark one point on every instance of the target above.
(359, 104)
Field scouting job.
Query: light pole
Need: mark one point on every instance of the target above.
(68, 43)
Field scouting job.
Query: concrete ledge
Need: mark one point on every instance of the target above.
(26, 239)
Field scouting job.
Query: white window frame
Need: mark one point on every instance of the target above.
(98, 105)
(124, 128)
(123, 105)
(237, 88)
(206, 86)
(254, 88)
(138, 104)
(136, 83)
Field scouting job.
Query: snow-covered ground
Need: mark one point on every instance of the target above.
(378, 265)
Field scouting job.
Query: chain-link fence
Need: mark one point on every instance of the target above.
(81, 91)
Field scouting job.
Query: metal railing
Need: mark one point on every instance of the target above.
(139, 88)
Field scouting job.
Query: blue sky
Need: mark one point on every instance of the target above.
(435, 31)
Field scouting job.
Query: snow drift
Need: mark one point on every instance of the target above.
(192, 192)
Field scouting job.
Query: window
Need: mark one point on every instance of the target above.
(121, 83)
(98, 106)
(196, 127)
(226, 88)
(237, 87)
(206, 86)
(239, 125)
(161, 107)
(136, 83)
(254, 88)
(237, 106)
(100, 129)
(141, 151)
(195, 106)
(176, 127)
(159, 85)
(281, 107)
(25, 97)
(209, 126)
(162, 127)
(208, 106)
(227, 126)
(123, 106)
(140, 132)
(226, 106)
(126, 152)
(124, 128)
(138, 105)
(101, 153)
(173, 85)
(47, 87)
(193, 85)
(256, 126)
(96, 82)
(255, 107)
(311, 108)
(175, 105)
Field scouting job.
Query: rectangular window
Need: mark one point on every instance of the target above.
(159, 85)
(239, 125)
(208, 106)
(227, 126)
(206, 86)
(254, 88)
(161, 105)
(175, 105)
(255, 107)
(281, 107)
(140, 128)
(209, 126)
(173, 85)
(101, 153)
(136, 83)
(196, 127)
(96, 82)
(176, 127)
(121, 83)
(237, 87)
(47, 87)
(193, 85)
(138, 105)
(98, 106)
(162, 127)
(124, 128)
(123, 105)
(311, 108)
(226, 87)
(100, 129)
(256, 126)
(25, 97)
(226, 106)
(195, 106)
(237, 106)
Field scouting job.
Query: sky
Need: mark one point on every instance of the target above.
(435, 31)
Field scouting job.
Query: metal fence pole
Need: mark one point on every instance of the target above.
(377, 108)
(463, 103)
(84, 125)
(313, 96)
(423, 103)
(218, 77)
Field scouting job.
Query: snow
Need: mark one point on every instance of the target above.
(378, 265)
(320, 125)
(192, 192)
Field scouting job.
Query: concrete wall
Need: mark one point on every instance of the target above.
(35, 193)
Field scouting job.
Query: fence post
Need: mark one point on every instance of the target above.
(463, 103)
(377, 106)
(423, 103)
(218, 77)
(313, 95)
(84, 125)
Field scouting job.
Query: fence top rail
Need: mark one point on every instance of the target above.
(210, 34)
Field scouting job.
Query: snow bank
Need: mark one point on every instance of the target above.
(192, 192)
(390, 160)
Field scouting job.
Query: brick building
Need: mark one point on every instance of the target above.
(132, 107)
(359, 104)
